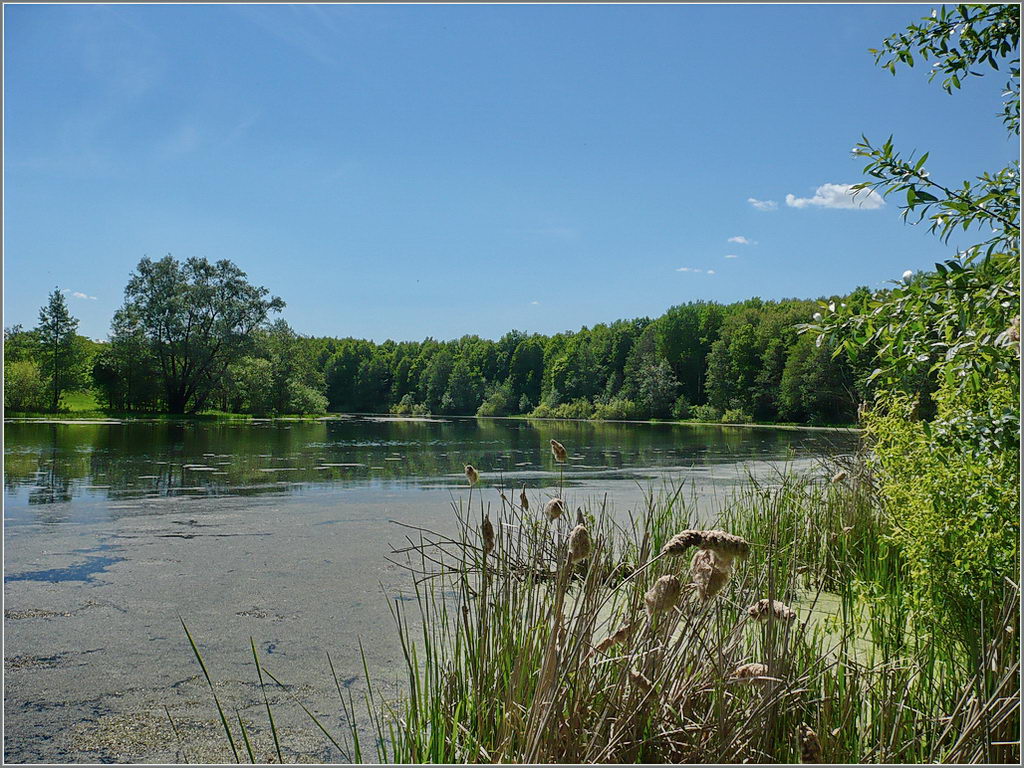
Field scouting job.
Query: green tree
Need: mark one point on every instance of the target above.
(61, 355)
(197, 319)
(951, 476)
(124, 372)
(465, 390)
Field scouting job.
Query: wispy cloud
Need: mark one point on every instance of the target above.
(763, 205)
(80, 295)
(731, 256)
(696, 270)
(741, 240)
(711, 271)
(838, 196)
(534, 303)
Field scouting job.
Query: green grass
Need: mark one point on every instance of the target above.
(79, 402)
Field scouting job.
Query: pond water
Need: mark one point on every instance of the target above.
(277, 531)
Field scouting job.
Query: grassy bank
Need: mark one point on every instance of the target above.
(785, 637)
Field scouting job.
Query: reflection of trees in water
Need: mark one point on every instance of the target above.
(139, 459)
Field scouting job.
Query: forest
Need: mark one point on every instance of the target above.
(220, 351)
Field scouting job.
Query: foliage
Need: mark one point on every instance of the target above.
(681, 409)
(956, 497)
(618, 409)
(959, 39)
(736, 416)
(25, 388)
(945, 350)
(498, 401)
(705, 413)
(577, 409)
(62, 355)
(125, 371)
(197, 318)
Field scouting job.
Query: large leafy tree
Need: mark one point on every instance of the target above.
(197, 318)
(61, 354)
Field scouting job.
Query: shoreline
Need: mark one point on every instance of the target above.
(114, 418)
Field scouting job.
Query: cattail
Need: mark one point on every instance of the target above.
(523, 501)
(747, 673)
(725, 545)
(554, 509)
(619, 636)
(472, 475)
(637, 678)
(663, 596)
(558, 451)
(580, 519)
(839, 476)
(764, 609)
(579, 544)
(709, 574)
(810, 746)
(487, 535)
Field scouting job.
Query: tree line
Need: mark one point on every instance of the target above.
(196, 336)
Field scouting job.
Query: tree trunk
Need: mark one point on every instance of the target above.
(176, 403)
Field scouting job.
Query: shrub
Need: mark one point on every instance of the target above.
(619, 408)
(953, 486)
(498, 402)
(577, 409)
(705, 413)
(408, 406)
(305, 399)
(681, 409)
(736, 416)
(24, 387)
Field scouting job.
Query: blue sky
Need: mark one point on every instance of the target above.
(412, 171)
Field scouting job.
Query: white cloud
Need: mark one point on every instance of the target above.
(731, 256)
(534, 302)
(80, 295)
(696, 270)
(711, 271)
(740, 239)
(763, 205)
(838, 196)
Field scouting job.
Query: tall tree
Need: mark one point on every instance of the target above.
(60, 356)
(197, 318)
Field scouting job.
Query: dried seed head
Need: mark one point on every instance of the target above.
(554, 509)
(725, 545)
(764, 609)
(472, 475)
(709, 574)
(747, 673)
(810, 746)
(558, 451)
(487, 535)
(663, 596)
(847, 528)
(619, 636)
(579, 544)
(637, 678)
(523, 501)
(580, 519)
(839, 476)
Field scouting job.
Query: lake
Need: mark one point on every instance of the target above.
(278, 530)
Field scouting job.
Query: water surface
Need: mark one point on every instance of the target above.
(276, 531)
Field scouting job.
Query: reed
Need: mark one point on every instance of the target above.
(611, 652)
(786, 638)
